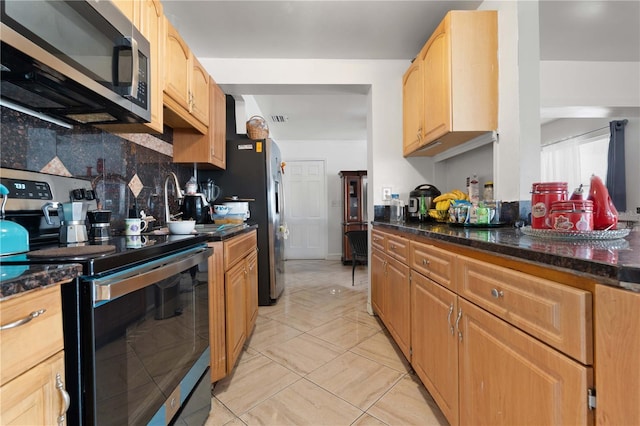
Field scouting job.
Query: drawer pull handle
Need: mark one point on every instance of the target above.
(425, 262)
(24, 320)
(496, 294)
(458, 324)
(449, 319)
(65, 398)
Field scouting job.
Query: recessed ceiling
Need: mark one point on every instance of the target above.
(586, 30)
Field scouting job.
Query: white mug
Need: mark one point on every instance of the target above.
(134, 226)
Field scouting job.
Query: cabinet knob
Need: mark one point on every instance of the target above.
(496, 294)
(425, 262)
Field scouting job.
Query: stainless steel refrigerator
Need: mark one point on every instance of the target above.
(254, 171)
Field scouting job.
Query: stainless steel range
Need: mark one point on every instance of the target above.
(136, 321)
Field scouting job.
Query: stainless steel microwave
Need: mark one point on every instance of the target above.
(81, 61)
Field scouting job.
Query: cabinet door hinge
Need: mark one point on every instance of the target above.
(591, 398)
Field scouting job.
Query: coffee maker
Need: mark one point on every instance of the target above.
(99, 225)
(72, 225)
(420, 201)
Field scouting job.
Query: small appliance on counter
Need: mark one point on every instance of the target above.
(72, 226)
(196, 207)
(100, 228)
(420, 201)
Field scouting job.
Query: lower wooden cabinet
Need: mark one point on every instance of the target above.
(506, 377)
(32, 379)
(617, 346)
(236, 312)
(252, 291)
(37, 397)
(434, 342)
(378, 269)
(398, 315)
(494, 345)
(233, 299)
(390, 290)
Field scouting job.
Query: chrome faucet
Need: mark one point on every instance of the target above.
(169, 177)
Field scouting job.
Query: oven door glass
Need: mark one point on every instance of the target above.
(145, 343)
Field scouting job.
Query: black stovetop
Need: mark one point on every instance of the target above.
(123, 255)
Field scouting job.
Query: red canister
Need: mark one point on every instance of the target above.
(542, 195)
(572, 215)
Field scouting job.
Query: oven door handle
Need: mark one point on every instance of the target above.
(114, 286)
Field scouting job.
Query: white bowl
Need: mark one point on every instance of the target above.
(220, 209)
(181, 227)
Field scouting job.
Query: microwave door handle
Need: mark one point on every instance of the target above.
(135, 68)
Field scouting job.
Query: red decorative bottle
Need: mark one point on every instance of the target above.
(605, 215)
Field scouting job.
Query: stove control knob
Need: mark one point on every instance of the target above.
(89, 194)
(78, 194)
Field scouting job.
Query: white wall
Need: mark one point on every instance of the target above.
(577, 83)
(338, 155)
(453, 172)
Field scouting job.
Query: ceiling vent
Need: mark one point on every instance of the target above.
(279, 118)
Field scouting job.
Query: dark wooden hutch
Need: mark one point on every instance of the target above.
(354, 206)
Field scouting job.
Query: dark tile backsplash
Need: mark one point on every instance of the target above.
(109, 161)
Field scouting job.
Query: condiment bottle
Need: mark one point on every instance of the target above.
(487, 195)
(474, 190)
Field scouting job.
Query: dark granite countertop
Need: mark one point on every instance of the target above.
(613, 262)
(224, 232)
(17, 279)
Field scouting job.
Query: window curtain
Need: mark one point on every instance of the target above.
(560, 162)
(615, 169)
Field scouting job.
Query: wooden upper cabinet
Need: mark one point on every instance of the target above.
(217, 126)
(186, 85)
(127, 7)
(147, 16)
(177, 68)
(412, 108)
(460, 81)
(151, 26)
(436, 60)
(209, 150)
(199, 91)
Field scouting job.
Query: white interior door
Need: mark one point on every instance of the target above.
(305, 210)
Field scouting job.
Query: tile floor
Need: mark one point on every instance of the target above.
(318, 358)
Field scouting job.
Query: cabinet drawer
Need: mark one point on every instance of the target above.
(238, 247)
(559, 315)
(378, 240)
(433, 262)
(398, 248)
(34, 341)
